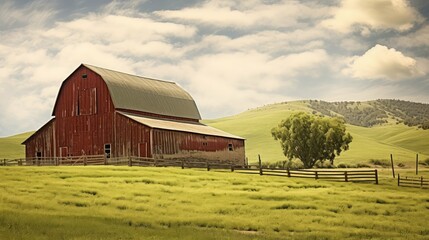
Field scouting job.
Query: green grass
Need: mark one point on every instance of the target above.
(170, 203)
(10, 147)
(368, 143)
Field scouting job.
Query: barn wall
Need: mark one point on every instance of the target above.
(181, 145)
(131, 138)
(84, 114)
(42, 141)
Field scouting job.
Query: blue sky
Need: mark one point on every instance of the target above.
(230, 55)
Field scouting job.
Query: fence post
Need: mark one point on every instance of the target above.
(232, 167)
(84, 161)
(288, 172)
(105, 159)
(316, 175)
(399, 179)
(130, 161)
(183, 165)
(208, 166)
(417, 164)
(4, 162)
(376, 176)
(260, 165)
(345, 176)
(421, 182)
(393, 166)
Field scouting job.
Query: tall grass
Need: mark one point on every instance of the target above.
(170, 203)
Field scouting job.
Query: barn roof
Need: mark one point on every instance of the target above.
(191, 127)
(147, 95)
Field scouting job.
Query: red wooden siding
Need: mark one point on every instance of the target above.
(84, 114)
(42, 141)
(184, 145)
(130, 136)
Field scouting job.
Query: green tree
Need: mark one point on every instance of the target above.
(312, 138)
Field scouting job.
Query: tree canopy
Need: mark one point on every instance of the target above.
(312, 138)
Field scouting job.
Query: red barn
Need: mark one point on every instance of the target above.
(100, 111)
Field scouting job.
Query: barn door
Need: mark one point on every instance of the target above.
(63, 152)
(143, 149)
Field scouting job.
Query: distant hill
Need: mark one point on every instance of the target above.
(10, 147)
(371, 113)
(377, 132)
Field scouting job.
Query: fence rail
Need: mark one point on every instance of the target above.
(417, 182)
(332, 175)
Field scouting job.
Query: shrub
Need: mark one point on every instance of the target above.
(362, 165)
(326, 164)
(345, 165)
(380, 162)
(342, 165)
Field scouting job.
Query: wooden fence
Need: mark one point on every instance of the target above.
(118, 161)
(418, 182)
(331, 175)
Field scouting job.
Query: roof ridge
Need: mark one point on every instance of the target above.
(148, 78)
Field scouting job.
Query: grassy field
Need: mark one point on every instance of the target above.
(10, 147)
(170, 203)
(368, 143)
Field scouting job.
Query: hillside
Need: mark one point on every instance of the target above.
(376, 142)
(371, 113)
(10, 147)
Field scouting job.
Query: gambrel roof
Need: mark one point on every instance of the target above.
(147, 95)
(143, 94)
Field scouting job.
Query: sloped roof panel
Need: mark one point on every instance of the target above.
(180, 126)
(147, 95)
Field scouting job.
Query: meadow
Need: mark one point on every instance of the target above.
(120, 202)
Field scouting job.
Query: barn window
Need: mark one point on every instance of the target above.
(84, 75)
(107, 150)
(204, 143)
(87, 102)
(230, 148)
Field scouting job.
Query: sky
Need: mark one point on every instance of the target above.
(229, 55)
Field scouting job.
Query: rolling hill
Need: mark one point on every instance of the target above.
(10, 147)
(389, 136)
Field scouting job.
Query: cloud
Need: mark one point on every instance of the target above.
(246, 14)
(416, 39)
(381, 62)
(227, 82)
(35, 13)
(360, 15)
(230, 55)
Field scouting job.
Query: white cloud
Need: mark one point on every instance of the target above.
(246, 14)
(375, 14)
(34, 13)
(381, 62)
(416, 39)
